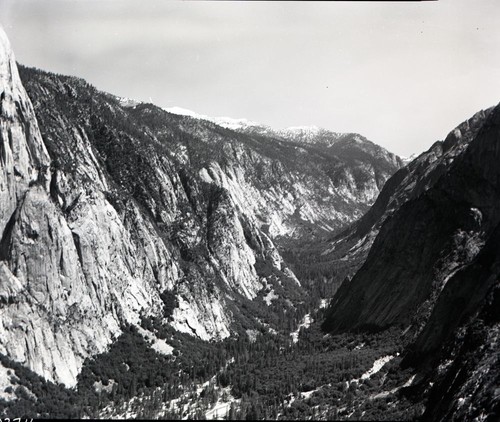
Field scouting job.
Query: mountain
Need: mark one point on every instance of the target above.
(351, 246)
(365, 159)
(226, 122)
(432, 271)
(160, 264)
(116, 214)
(416, 207)
(334, 254)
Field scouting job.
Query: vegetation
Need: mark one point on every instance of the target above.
(269, 377)
(259, 368)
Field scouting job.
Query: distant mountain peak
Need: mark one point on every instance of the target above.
(235, 124)
(297, 134)
(409, 159)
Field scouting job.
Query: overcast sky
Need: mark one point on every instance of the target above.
(403, 74)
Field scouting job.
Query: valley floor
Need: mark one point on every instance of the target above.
(305, 375)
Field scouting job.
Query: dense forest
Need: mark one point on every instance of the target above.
(265, 376)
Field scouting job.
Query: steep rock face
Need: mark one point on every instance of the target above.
(340, 255)
(66, 282)
(24, 157)
(461, 338)
(466, 368)
(155, 168)
(73, 270)
(438, 230)
(33, 236)
(408, 183)
(464, 291)
(361, 167)
(433, 270)
(420, 174)
(347, 172)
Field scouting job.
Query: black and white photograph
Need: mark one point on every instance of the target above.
(250, 210)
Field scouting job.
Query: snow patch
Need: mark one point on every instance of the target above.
(184, 112)
(127, 102)
(324, 303)
(384, 394)
(307, 394)
(234, 124)
(221, 408)
(226, 122)
(304, 323)
(377, 366)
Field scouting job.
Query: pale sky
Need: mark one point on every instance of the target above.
(402, 74)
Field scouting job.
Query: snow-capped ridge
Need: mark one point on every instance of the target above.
(306, 134)
(226, 122)
(185, 112)
(230, 123)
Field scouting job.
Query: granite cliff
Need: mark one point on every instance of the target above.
(432, 272)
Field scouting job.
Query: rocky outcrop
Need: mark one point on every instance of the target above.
(418, 176)
(23, 156)
(72, 269)
(433, 270)
(442, 223)
(461, 337)
(345, 174)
